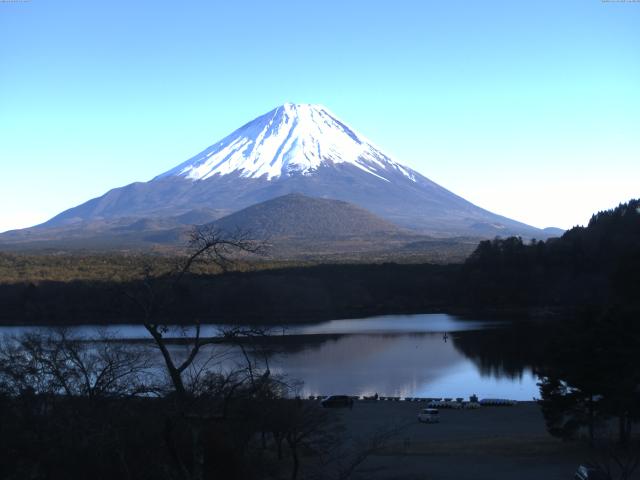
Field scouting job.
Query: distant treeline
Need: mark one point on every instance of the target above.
(595, 265)
(267, 296)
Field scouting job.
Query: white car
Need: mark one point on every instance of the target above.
(429, 415)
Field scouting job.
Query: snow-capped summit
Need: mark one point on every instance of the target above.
(295, 148)
(288, 140)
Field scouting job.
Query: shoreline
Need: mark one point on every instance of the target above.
(506, 314)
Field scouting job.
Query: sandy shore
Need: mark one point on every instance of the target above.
(489, 443)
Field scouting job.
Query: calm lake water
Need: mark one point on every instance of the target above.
(430, 355)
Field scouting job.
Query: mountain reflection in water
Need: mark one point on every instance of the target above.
(431, 355)
(412, 355)
(405, 364)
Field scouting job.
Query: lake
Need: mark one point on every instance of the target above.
(427, 355)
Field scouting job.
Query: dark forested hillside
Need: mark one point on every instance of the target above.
(597, 264)
(267, 296)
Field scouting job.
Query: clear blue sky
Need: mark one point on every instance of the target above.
(530, 109)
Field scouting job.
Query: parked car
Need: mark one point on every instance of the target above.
(585, 472)
(429, 415)
(497, 402)
(445, 404)
(337, 401)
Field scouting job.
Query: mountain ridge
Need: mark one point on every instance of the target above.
(294, 148)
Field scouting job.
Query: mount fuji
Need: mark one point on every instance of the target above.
(295, 148)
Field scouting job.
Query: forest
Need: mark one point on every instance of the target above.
(594, 266)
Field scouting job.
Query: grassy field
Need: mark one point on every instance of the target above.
(113, 267)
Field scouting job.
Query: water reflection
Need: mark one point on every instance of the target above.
(405, 364)
(402, 364)
(504, 352)
(410, 355)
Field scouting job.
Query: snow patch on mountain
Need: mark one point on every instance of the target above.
(291, 139)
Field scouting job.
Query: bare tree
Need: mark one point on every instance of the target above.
(343, 456)
(57, 362)
(71, 395)
(207, 244)
(306, 427)
(203, 394)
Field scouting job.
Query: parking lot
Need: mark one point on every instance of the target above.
(487, 443)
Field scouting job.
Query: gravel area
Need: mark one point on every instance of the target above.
(487, 443)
